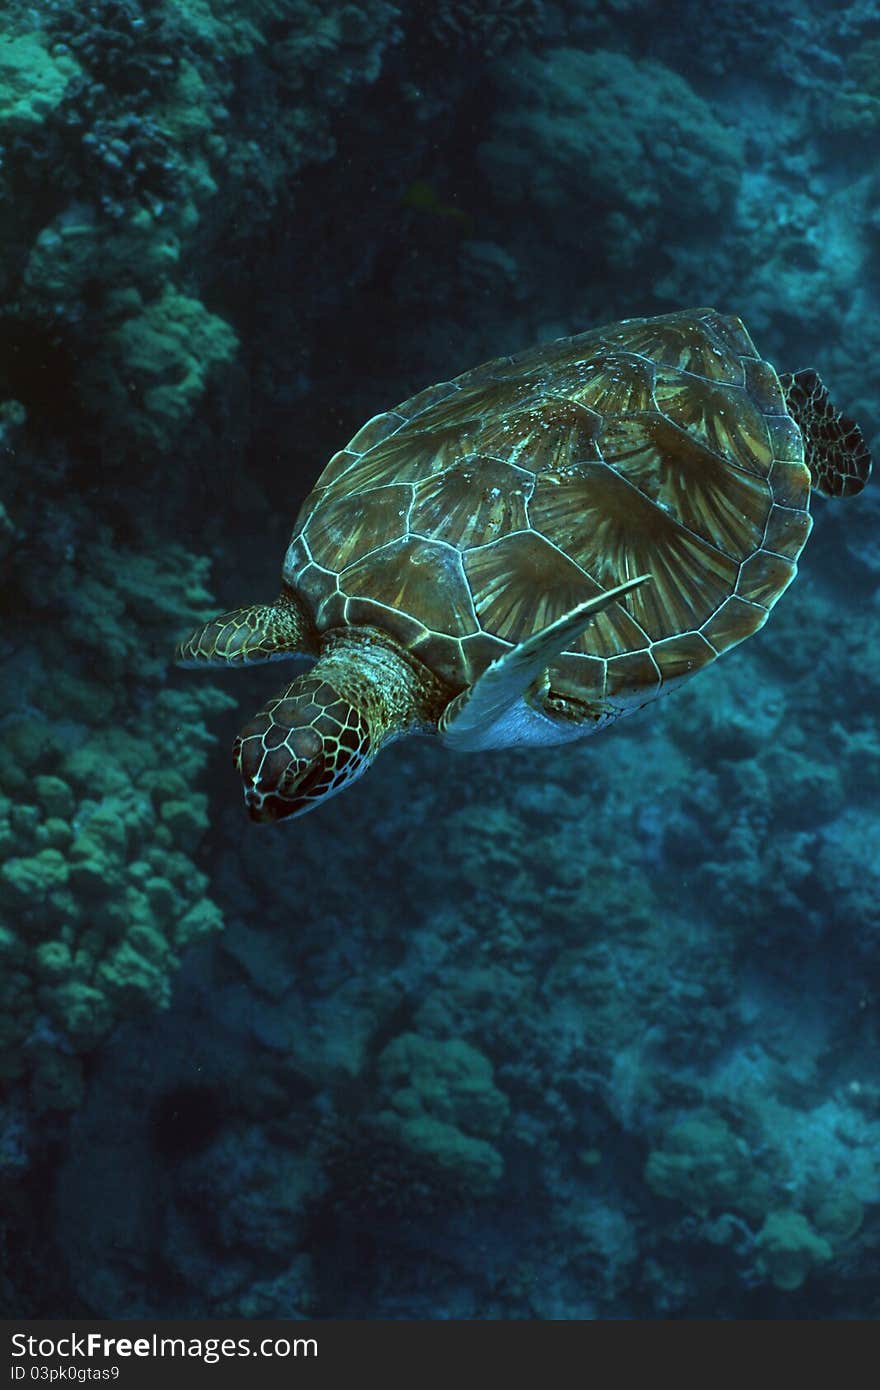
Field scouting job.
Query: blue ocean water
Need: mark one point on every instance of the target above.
(575, 1032)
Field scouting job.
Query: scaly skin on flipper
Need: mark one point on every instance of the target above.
(245, 636)
(834, 447)
(516, 678)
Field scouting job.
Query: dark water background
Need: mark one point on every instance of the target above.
(591, 1032)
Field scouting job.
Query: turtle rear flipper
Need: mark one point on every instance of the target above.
(490, 713)
(262, 632)
(834, 447)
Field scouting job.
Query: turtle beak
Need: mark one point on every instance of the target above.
(260, 808)
(279, 781)
(290, 797)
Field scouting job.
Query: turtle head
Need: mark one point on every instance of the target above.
(305, 746)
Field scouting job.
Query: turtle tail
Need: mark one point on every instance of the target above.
(834, 447)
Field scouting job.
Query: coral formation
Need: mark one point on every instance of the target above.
(443, 1105)
(159, 361)
(98, 821)
(488, 26)
(584, 1034)
(789, 1248)
(576, 138)
(33, 82)
(856, 110)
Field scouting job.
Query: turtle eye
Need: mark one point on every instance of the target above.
(293, 786)
(289, 796)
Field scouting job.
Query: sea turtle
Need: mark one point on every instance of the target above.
(528, 552)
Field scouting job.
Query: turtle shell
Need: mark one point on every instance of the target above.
(483, 508)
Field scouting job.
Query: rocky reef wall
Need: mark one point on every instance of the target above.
(588, 1032)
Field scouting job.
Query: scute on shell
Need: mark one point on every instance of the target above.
(483, 508)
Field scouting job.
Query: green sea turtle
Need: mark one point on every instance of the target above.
(528, 552)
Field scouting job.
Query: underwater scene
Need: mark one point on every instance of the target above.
(578, 304)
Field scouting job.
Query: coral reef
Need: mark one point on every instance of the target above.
(487, 26)
(576, 138)
(158, 364)
(789, 1248)
(443, 1105)
(857, 108)
(99, 822)
(589, 1033)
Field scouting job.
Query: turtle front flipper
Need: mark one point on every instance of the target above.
(497, 711)
(834, 447)
(263, 632)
